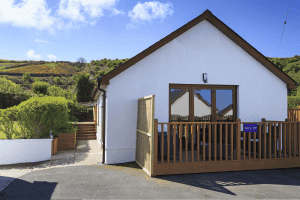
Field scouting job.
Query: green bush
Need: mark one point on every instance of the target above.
(42, 114)
(26, 77)
(36, 79)
(57, 80)
(96, 68)
(100, 73)
(14, 94)
(40, 87)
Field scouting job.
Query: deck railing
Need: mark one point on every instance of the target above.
(294, 114)
(208, 143)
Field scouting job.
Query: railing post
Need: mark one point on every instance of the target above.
(238, 140)
(155, 146)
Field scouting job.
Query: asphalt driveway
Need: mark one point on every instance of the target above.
(129, 181)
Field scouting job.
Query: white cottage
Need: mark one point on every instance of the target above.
(218, 75)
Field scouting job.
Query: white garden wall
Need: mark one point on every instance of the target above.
(14, 151)
(202, 49)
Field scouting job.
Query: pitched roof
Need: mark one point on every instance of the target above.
(206, 15)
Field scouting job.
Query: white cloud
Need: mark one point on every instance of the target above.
(36, 14)
(116, 11)
(30, 54)
(52, 57)
(28, 13)
(38, 40)
(150, 10)
(71, 8)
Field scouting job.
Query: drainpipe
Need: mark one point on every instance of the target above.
(103, 116)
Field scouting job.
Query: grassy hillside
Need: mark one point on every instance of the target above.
(95, 68)
(291, 66)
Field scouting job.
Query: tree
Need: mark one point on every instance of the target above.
(84, 87)
(81, 61)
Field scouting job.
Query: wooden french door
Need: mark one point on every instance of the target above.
(199, 103)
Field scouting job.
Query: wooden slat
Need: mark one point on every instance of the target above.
(280, 134)
(232, 141)
(192, 139)
(209, 142)
(204, 133)
(186, 143)
(259, 142)
(168, 153)
(284, 140)
(289, 136)
(174, 143)
(244, 146)
(270, 135)
(180, 143)
(249, 145)
(265, 140)
(215, 141)
(298, 139)
(226, 142)
(198, 146)
(254, 145)
(162, 144)
(221, 157)
(155, 146)
(295, 139)
(275, 140)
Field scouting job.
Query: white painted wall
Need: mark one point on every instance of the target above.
(14, 151)
(202, 49)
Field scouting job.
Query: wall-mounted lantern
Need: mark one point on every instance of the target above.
(205, 77)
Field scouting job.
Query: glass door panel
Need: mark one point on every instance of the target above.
(179, 99)
(224, 105)
(202, 105)
(224, 111)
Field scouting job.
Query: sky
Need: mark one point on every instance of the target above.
(64, 30)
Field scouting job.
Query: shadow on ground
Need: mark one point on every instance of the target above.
(217, 181)
(36, 190)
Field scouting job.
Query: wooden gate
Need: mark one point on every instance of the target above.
(144, 152)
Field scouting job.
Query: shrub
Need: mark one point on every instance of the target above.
(57, 80)
(96, 68)
(36, 79)
(26, 77)
(40, 87)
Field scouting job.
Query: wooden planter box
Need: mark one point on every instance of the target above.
(66, 141)
(54, 146)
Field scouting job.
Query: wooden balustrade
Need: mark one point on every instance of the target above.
(223, 146)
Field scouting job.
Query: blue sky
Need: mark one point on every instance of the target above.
(65, 30)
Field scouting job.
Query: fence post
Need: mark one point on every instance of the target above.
(287, 136)
(238, 140)
(154, 145)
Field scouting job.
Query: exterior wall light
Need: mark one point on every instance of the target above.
(205, 77)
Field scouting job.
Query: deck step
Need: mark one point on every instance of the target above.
(86, 138)
(88, 132)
